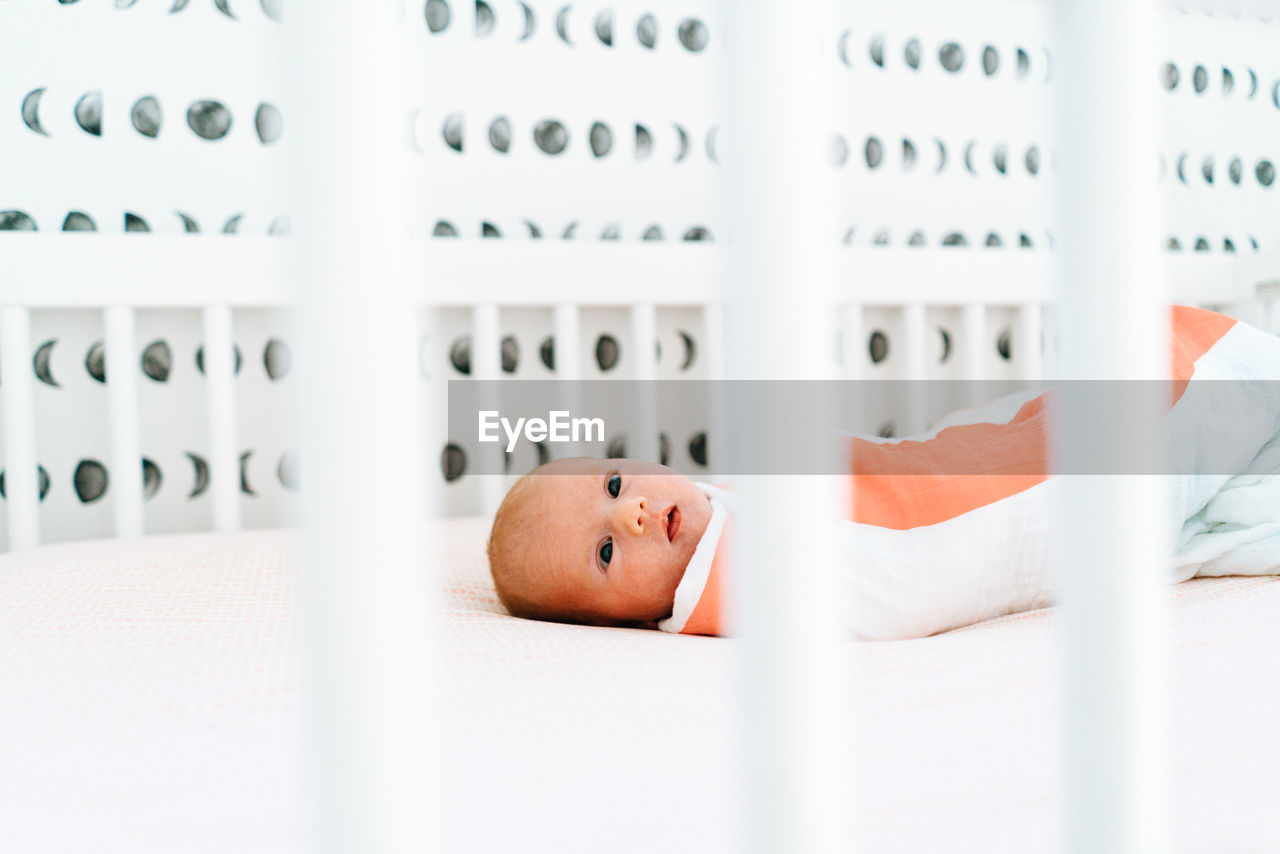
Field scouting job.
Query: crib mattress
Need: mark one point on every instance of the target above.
(151, 703)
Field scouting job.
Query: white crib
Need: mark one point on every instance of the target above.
(561, 227)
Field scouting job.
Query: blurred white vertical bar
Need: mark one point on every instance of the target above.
(486, 366)
(916, 415)
(1030, 331)
(121, 337)
(369, 596)
(567, 328)
(781, 212)
(18, 409)
(1113, 326)
(220, 374)
(643, 443)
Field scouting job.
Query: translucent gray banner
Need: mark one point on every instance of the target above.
(936, 427)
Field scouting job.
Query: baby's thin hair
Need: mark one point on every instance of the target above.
(509, 549)
(516, 551)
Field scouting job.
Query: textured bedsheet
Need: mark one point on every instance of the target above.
(149, 702)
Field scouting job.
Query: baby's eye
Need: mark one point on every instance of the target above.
(615, 485)
(606, 552)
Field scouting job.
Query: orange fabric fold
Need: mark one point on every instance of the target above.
(1013, 456)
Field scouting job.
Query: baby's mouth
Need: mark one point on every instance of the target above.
(673, 524)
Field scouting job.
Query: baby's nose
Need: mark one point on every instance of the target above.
(630, 515)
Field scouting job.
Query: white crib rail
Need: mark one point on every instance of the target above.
(222, 274)
(249, 272)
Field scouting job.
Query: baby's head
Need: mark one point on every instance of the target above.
(599, 542)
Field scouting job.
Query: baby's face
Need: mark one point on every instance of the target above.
(615, 537)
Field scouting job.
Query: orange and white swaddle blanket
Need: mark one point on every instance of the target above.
(926, 551)
(697, 607)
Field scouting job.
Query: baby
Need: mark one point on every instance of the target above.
(923, 550)
(598, 542)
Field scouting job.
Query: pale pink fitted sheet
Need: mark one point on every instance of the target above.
(150, 702)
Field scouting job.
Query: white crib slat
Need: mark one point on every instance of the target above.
(1028, 355)
(713, 340)
(122, 404)
(644, 334)
(17, 403)
(713, 354)
(568, 331)
(486, 365)
(643, 441)
(913, 341)
(486, 350)
(915, 359)
(370, 584)
(568, 361)
(780, 203)
(1113, 325)
(973, 331)
(974, 334)
(224, 460)
(853, 333)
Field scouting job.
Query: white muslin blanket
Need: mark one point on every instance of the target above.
(953, 527)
